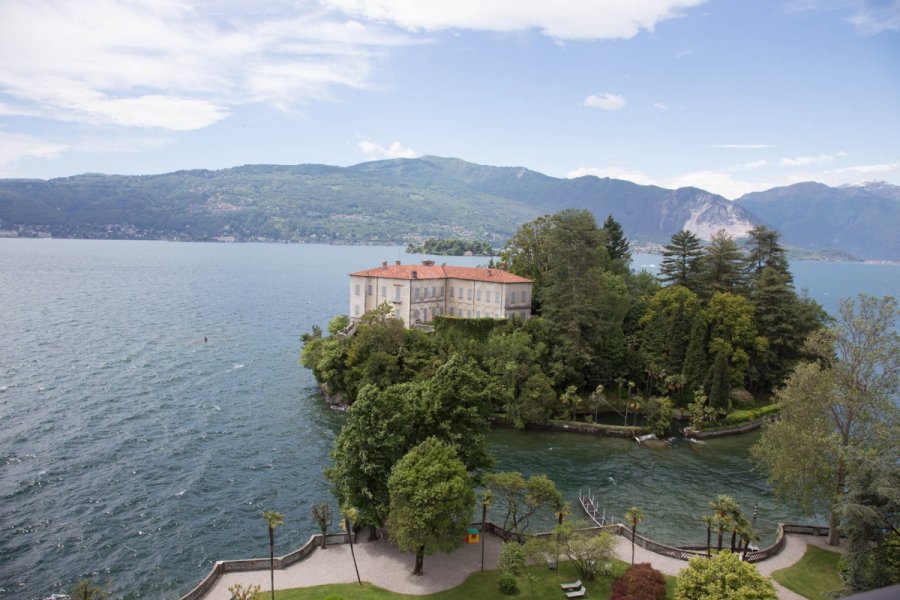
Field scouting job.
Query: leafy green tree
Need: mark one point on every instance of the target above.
(512, 558)
(836, 410)
(666, 328)
(527, 253)
(273, 519)
(721, 265)
(696, 362)
(517, 383)
(681, 261)
(722, 577)
(322, 515)
(633, 516)
(871, 513)
(589, 552)
(733, 331)
(521, 498)
(431, 500)
(85, 590)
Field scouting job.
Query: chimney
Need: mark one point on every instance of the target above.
(489, 273)
(397, 263)
(415, 275)
(428, 263)
(384, 264)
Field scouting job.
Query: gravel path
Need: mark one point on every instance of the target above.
(383, 565)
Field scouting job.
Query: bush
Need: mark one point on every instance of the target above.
(512, 559)
(742, 416)
(508, 584)
(741, 399)
(640, 582)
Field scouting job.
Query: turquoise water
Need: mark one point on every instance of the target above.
(133, 451)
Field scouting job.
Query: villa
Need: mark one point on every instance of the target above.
(418, 293)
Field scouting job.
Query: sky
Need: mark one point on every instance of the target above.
(731, 96)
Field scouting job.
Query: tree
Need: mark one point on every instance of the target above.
(871, 513)
(733, 331)
(724, 509)
(633, 517)
(616, 245)
(520, 498)
(431, 500)
(722, 577)
(764, 251)
(639, 582)
(526, 253)
(322, 514)
(348, 522)
(273, 520)
(85, 590)
(680, 264)
(588, 551)
(720, 267)
(836, 410)
(696, 362)
(239, 592)
(720, 385)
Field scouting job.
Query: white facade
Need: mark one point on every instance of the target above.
(417, 294)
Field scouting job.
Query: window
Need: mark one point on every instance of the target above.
(416, 293)
(451, 291)
(478, 295)
(384, 291)
(356, 309)
(356, 290)
(442, 291)
(469, 313)
(478, 314)
(451, 309)
(497, 297)
(397, 292)
(397, 313)
(369, 290)
(416, 315)
(469, 295)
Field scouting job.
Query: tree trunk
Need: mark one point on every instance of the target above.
(708, 539)
(272, 559)
(373, 533)
(420, 558)
(719, 541)
(633, 530)
(834, 519)
(733, 539)
(323, 538)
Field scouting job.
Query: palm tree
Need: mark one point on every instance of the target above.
(724, 508)
(273, 520)
(350, 515)
(487, 497)
(709, 521)
(633, 516)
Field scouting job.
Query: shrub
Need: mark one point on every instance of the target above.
(512, 559)
(508, 584)
(741, 398)
(640, 582)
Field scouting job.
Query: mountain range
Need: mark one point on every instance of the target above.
(401, 201)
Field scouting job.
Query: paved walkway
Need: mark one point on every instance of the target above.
(383, 565)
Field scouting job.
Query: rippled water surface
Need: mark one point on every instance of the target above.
(133, 452)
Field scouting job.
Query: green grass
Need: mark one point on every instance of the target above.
(479, 586)
(815, 576)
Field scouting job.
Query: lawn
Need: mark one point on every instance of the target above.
(543, 584)
(815, 576)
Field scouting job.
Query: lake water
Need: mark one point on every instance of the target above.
(131, 451)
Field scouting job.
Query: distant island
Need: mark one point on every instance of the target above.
(452, 247)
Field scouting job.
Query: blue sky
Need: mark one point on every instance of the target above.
(731, 96)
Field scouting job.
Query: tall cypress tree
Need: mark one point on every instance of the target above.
(721, 265)
(616, 243)
(695, 360)
(680, 264)
(764, 250)
(720, 384)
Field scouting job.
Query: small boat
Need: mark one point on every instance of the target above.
(644, 438)
(693, 441)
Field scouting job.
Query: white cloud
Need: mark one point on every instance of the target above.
(375, 151)
(606, 101)
(747, 166)
(869, 17)
(613, 172)
(805, 161)
(716, 181)
(866, 169)
(660, 106)
(176, 66)
(563, 19)
(15, 147)
(742, 146)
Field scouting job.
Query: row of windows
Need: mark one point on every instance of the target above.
(397, 290)
(436, 292)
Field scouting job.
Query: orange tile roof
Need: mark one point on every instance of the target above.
(394, 271)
